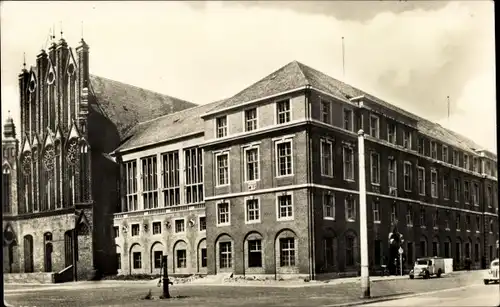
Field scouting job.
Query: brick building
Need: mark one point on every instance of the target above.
(59, 183)
(266, 181)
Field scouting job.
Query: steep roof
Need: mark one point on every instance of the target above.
(295, 75)
(127, 105)
(167, 127)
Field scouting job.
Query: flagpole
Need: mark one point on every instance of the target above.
(448, 98)
(343, 59)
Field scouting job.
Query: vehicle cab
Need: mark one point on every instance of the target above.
(427, 267)
(492, 274)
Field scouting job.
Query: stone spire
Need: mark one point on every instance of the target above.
(9, 129)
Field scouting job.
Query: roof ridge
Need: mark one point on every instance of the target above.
(140, 88)
(300, 66)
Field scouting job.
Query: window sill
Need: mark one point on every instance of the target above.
(225, 224)
(409, 225)
(351, 220)
(222, 186)
(407, 190)
(284, 219)
(327, 176)
(284, 176)
(447, 229)
(377, 222)
(252, 222)
(349, 180)
(423, 227)
(328, 218)
(376, 184)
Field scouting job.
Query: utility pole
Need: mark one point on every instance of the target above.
(363, 232)
(166, 282)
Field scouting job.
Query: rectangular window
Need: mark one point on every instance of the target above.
(434, 151)
(434, 184)
(476, 252)
(135, 230)
(326, 112)
(376, 211)
(328, 205)
(171, 184)
(149, 183)
(392, 173)
(193, 163)
(253, 210)
(456, 189)
(254, 253)
(445, 154)
(435, 219)
(421, 145)
(179, 226)
(409, 253)
(157, 255)
(466, 192)
(378, 252)
(284, 158)
(349, 251)
(467, 222)
(475, 166)
(222, 169)
(457, 220)
(489, 196)
(283, 109)
(221, 126)
(447, 250)
(328, 255)
(423, 249)
(374, 126)
(203, 223)
(348, 120)
(348, 158)
(391, 133)
(487, 168)
(181, 257)
(407, 174)
(394, 213)
(407, 139)
(203, 257)
(446, 189)
(252, 164)
(225, 255)
(478, 223)
(421, 180)
(422, 218)
(326, 158)
(435, 249)
(156, 228)
(475, 194)
(223, 214)
(251, 119)
(375, 167)
(130, 170)
(466, 161)
(136, 256)
(350, 208)
(116, 231)
(285, 207)
(454, 158)
(118, 261)
(287, 252)
(409, 217)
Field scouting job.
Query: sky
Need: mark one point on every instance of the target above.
(412, 54)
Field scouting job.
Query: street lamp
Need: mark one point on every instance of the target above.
(363, 232)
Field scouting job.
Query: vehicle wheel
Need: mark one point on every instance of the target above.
(486, 281)
(439, 273)
(411, 276)
(427, 275)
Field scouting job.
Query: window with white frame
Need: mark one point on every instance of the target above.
(221, 126)
(375, 167)
(202, 222)
(475, 164)
(137, 261)
(466, 192)
(223, 214)
(374, 126)
(170, 175)
(434, 183)
(149, 183)
(454, 158)
(285, 207)
(409, 217)
(458, 222)
(376, 211)
(421, 180)
(252, 210)
(284, 158)
(350, 208)
(456, 190)
(251, 119)
(326, 112)
(423, 222)
(475, 194)
(254, 253)
(130, 170)
(225, 255)
(326, 151)
(466, 161)
(392, 173)
(445, 154)
(421, 145)
(434, 150)
(328, 205)
(478, 223)
(348, 161)
(435, 219)
(348, 119)
(287, 252)
(135, 230)
(181, 257)
(489, 196)
(487, 167)
(283, 111)
(407, 139)
(394, 213)
(156, 228)
(180, 226)
(447, 220)
(222, 160)
(252, 163)
(446, 189)
(391, 133)
(407, 176)
(193, 163)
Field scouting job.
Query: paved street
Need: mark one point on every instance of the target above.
(476, 295)
(314, 294)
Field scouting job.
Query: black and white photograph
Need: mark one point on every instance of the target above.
(249, 153)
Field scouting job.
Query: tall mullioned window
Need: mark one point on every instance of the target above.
(193, 161)
(149, 183)
(170, 176)
(130, 170)
(6, 190)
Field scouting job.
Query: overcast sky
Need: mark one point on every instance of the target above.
(412, 54)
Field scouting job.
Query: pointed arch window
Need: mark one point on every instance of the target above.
(58, 172)
(72, 157)
(85, 172)
(50, 108)
(36, 179)
(71, 92)
(26, 165)
(48, 178)
(6, 190)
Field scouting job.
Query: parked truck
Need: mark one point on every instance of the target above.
(427, 267)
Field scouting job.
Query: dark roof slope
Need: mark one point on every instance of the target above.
(167, 127)
(127, 105)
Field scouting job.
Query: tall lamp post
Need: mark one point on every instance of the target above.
(363, 232)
